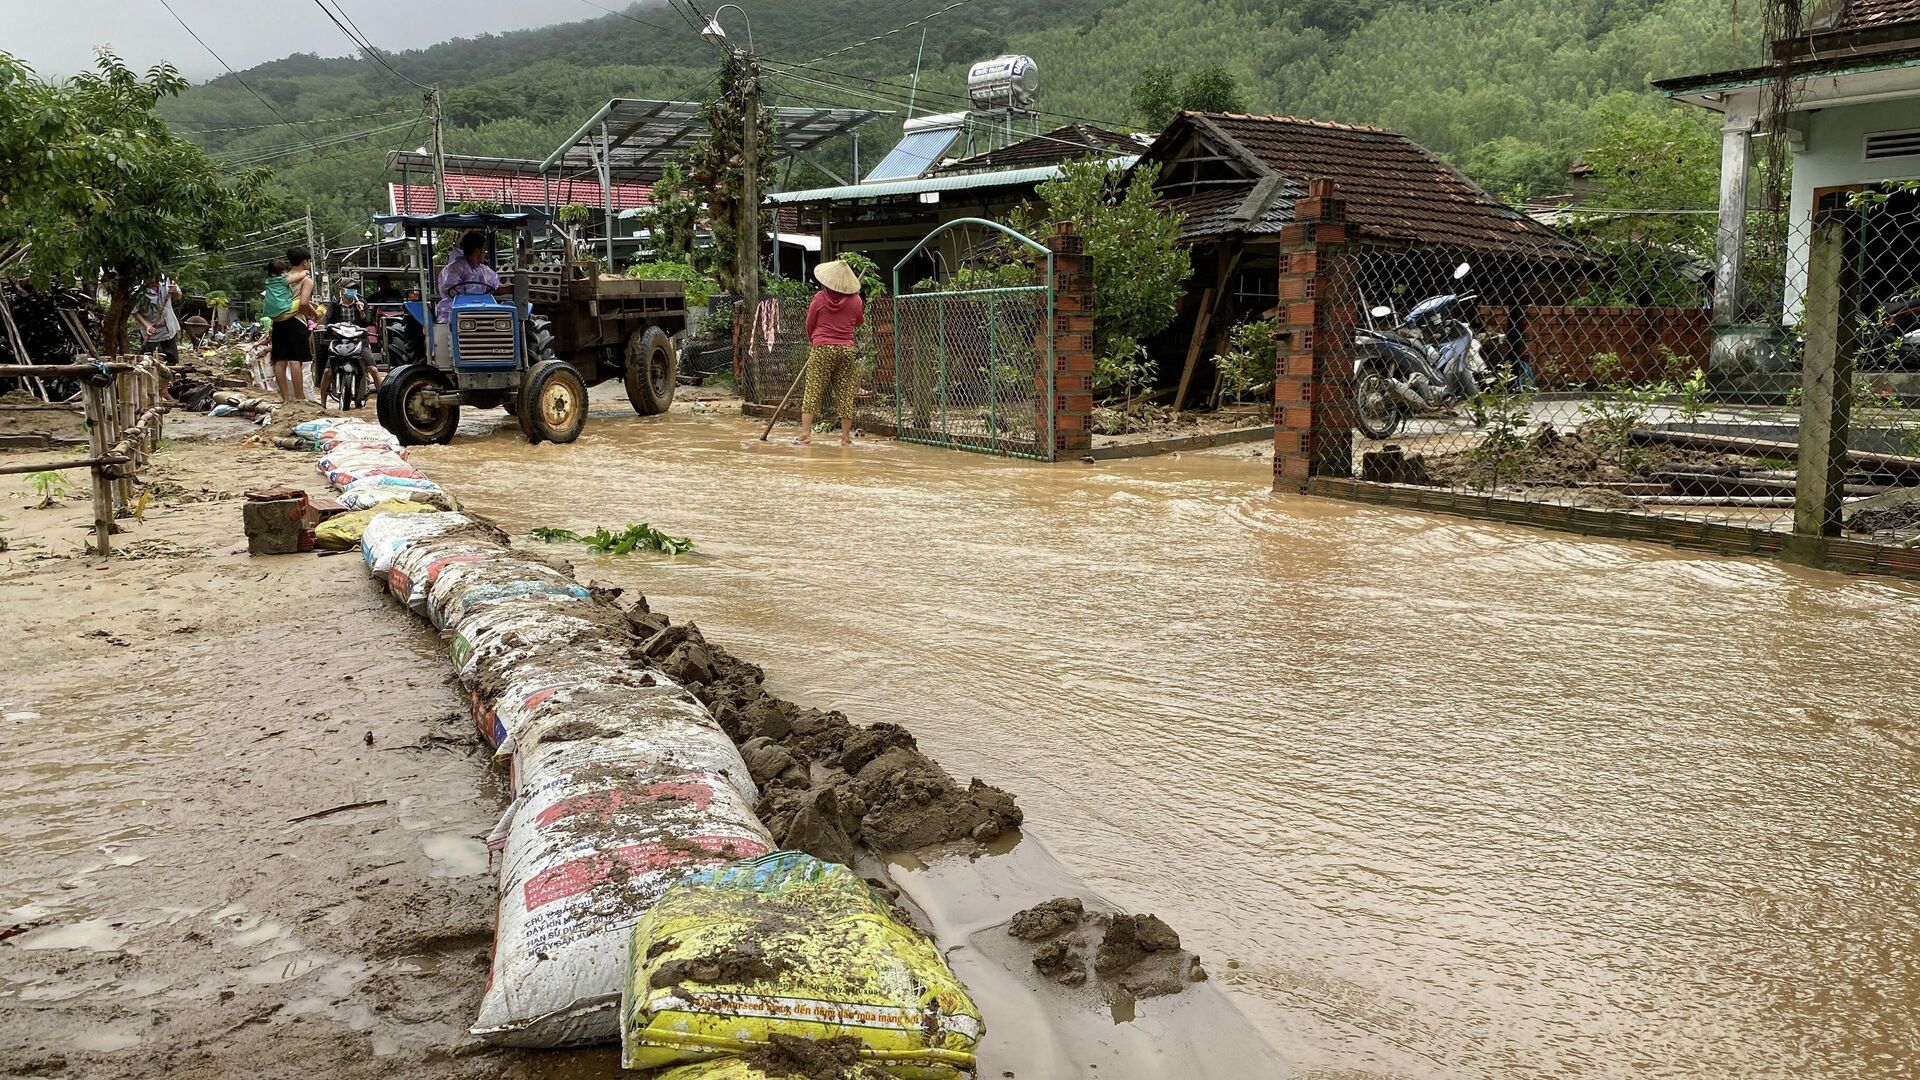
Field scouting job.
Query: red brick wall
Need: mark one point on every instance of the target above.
(1561, 342)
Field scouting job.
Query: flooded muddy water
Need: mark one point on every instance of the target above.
(1431, 797)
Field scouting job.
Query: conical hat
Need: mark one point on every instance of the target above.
(838, 276)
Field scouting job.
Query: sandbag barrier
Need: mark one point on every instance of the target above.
(631, 860)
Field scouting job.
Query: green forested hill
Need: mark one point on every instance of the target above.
(1507, 89)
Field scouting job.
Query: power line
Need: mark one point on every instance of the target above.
(629, 18)
(258, 155)
(360, 41)
(898, 29)
(869, 18)
(304, 123)
(236, 75)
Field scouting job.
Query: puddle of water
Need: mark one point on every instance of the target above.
(455, 856)
(1464, 799)
(94, 935)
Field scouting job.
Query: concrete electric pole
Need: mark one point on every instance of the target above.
(439, 151)
(749, 251)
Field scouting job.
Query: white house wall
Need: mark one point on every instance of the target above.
(1834, 156)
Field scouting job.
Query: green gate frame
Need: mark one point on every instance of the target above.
(992, 296)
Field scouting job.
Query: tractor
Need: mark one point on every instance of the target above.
(559, 329)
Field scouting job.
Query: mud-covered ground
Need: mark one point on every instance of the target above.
(180, 895)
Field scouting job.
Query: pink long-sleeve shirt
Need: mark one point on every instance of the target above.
(833, 317)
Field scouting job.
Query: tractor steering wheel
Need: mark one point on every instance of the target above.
(479, 287)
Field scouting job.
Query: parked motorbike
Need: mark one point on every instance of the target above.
(1427, 362)
(346, 357)
(1892, 340)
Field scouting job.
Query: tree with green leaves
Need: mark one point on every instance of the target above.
(1652, 156)
(1139, 266)
(1160, 93)
(673, 219)
(114, 194)
(717, 164)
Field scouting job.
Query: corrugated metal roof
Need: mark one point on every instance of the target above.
(516, 191)
(963, 182)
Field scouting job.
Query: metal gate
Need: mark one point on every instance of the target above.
(973, 369)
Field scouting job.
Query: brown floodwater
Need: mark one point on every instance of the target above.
(1432, 797)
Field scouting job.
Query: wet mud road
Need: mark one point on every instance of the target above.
(1431, 797)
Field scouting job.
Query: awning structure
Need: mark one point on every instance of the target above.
(640, 137)
(412, 161)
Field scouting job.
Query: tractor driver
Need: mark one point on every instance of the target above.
(467, 273)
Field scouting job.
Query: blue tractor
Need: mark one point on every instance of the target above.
(493, 351)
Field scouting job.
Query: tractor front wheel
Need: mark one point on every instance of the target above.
(553, 402)
(412, 406)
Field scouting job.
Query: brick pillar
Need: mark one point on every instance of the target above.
(1313, 370)
(880, 317)
(1072, 391)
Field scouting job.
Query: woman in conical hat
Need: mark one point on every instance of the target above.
(834, 314)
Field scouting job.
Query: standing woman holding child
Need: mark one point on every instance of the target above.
(288, 302)
(834, 314)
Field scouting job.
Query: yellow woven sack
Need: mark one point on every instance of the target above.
(735, 1068)
(342, 532)
(786, 944)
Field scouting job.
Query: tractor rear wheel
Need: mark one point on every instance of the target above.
(553, 403)
(412, 408)
(396, 337)
(652, 370)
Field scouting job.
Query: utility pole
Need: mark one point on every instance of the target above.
(748, 254)
(319, 257)
(439, 151)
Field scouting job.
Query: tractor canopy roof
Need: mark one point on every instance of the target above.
(417, 223)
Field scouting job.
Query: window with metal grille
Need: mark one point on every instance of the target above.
(1892, 144)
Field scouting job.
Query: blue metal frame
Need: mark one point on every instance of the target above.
(940, 298)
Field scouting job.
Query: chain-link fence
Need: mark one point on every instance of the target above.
(963, 369)
(1601, 378)
(777, 358)
(970, 369)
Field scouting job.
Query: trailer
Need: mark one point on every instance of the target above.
(609, 326)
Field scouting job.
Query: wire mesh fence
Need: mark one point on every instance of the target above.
(1603, 380)
(970, 369)
(965, 369)
(776, 360)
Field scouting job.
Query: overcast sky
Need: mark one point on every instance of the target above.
(57, 37)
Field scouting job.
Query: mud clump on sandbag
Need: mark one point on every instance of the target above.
(745, 962)
(1044, 920)
(887, 796)
(1136, 955)
(787, 1057)
(1062, 961)
(1129, 938)
(912, 803)
(808, 1059)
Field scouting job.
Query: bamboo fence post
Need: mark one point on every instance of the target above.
(160, 375)
(98, 440)
(122, 424)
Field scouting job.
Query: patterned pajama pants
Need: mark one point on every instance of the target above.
(830, 366)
